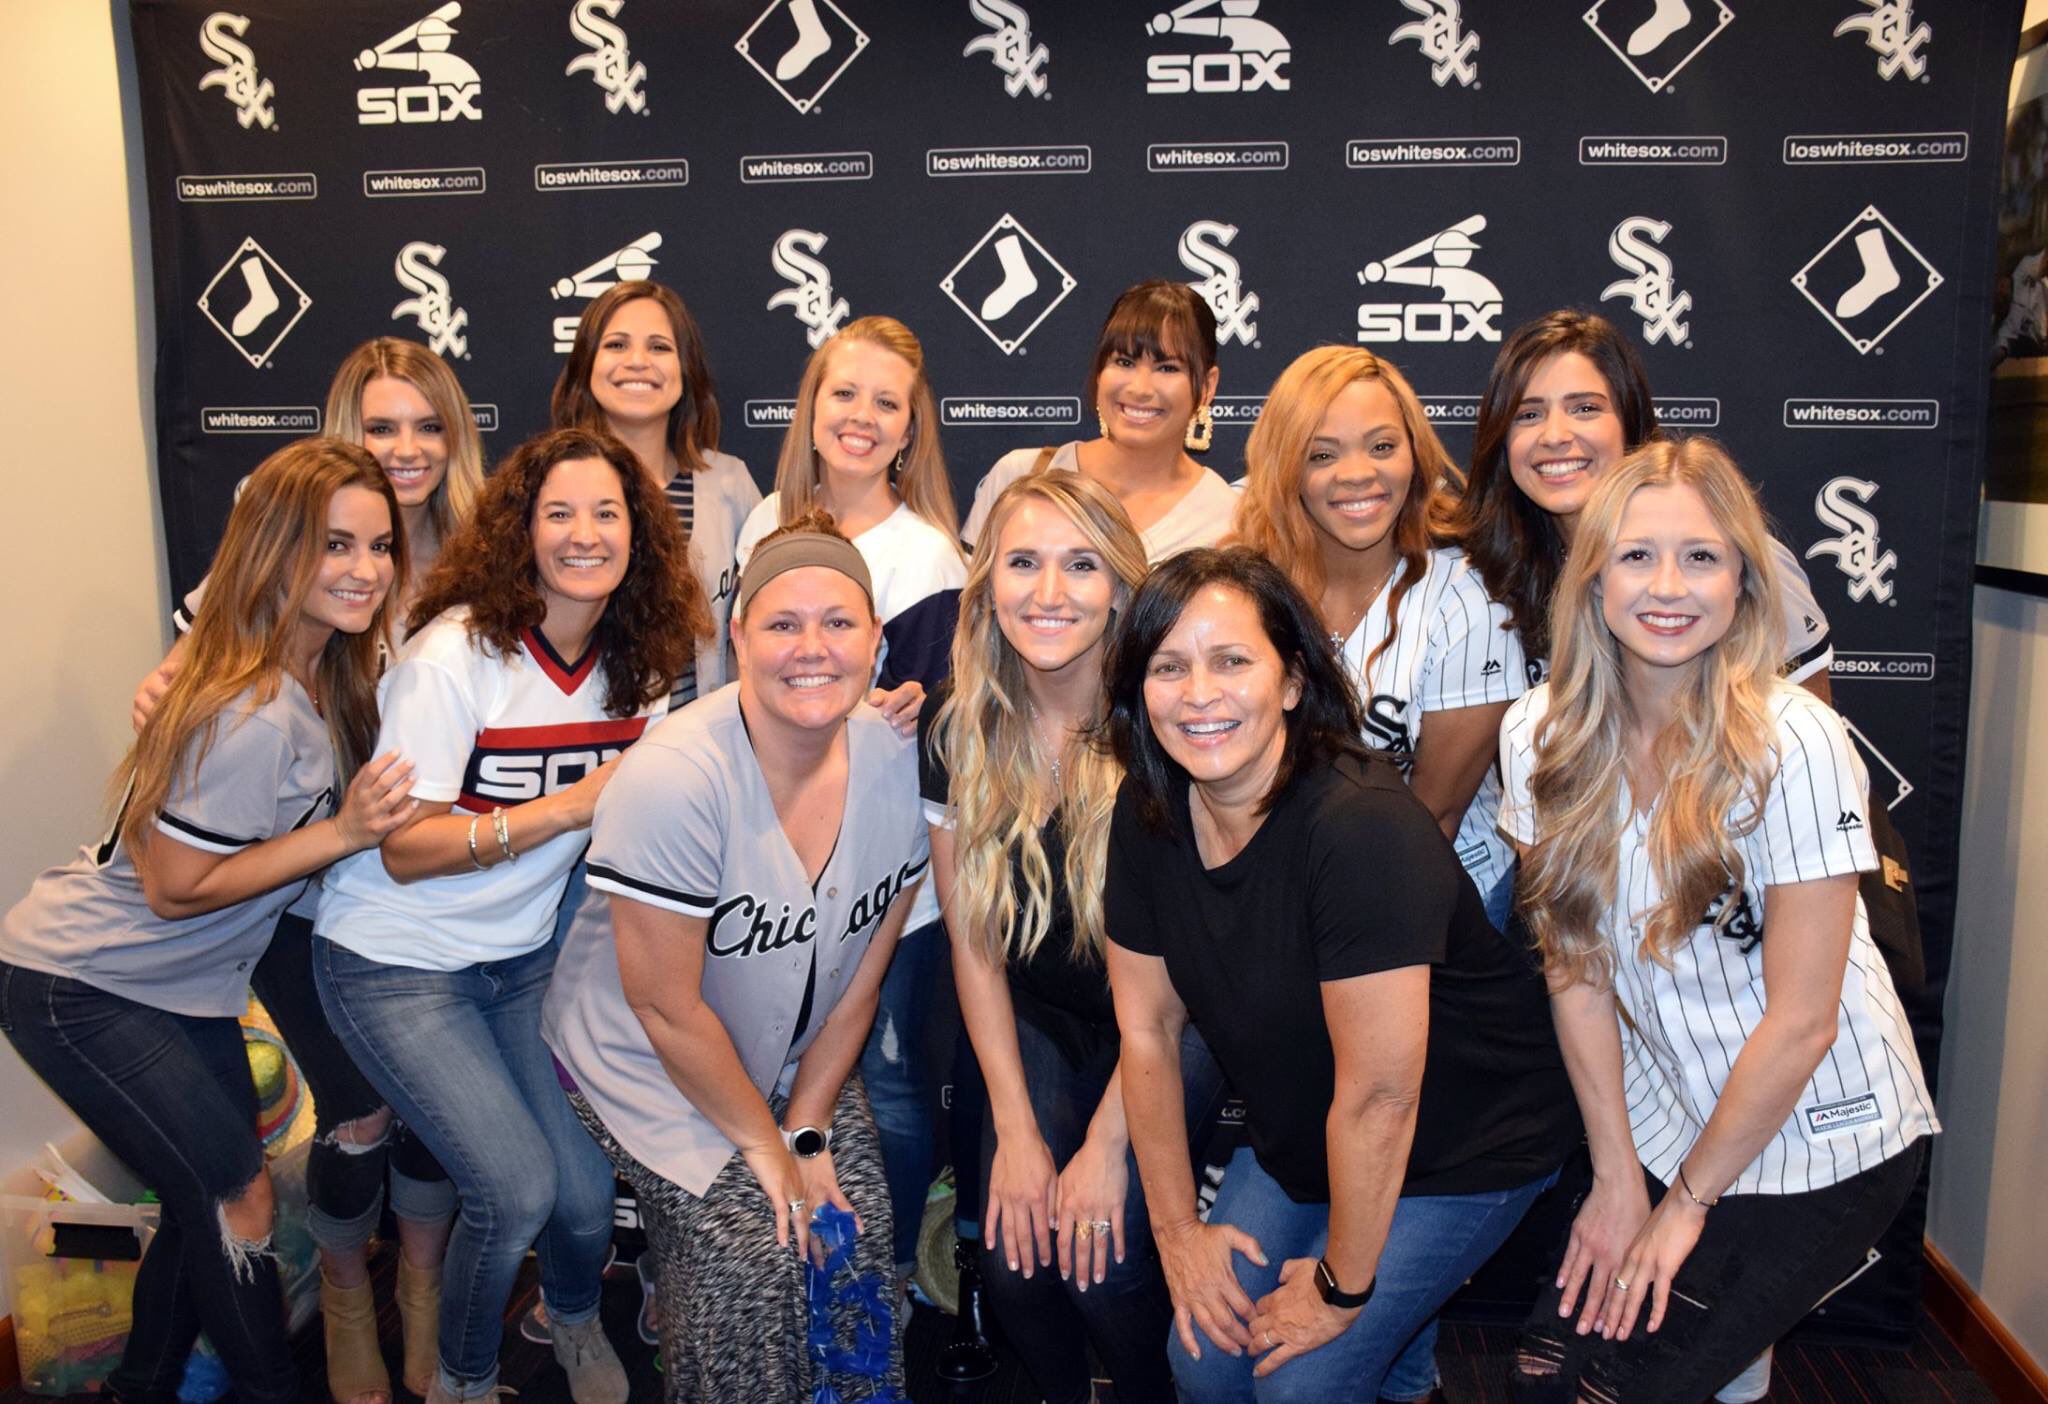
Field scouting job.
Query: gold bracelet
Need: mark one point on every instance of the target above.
(1686, 1185)
(503, 828)
(473, 858)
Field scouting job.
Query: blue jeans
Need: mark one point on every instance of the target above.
(171, 1095)
(1433, 1245)
(902, 1067)
(459, 1057)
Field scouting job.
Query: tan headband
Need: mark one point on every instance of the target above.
(800, 549)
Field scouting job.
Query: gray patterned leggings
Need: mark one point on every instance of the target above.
(732, 1303)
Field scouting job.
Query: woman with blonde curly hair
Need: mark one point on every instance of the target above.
(1692, 827)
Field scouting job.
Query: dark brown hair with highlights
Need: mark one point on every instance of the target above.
(692, 424)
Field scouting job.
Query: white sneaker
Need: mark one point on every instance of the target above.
(1749, 1386)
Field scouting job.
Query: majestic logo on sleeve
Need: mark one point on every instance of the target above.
(450, 89)
(1258, 50)
(795, 257)
(418, 269)
(1651, 293)
(1010, 49)
(1841, 505)
(631, 263)
(1889, 31)
(1443, 39)
(1468, 305)
(1202, 250)
(220, 37)
(594, 23)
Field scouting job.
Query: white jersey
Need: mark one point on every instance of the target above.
(1201, 518)
(722, 496)
(1451, 650)
(1808, 649)
(481, 732)
(1685, 1025)
(687, 825)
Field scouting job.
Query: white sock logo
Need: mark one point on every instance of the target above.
(1018, 292)
(808, 40)
(220, 37)
(1667, 19)
(1257, 53)
(1468, 305)
(1010, 48)
(607, 63)
(629, 264)
(1443, 39)
(1651, 292)
(1202, 251)
(1889, 31)
(451, 89)
(1657, 45)
(417, 268)
(253, 302)
(1867, 279)
(1840, 504)
(794, 257)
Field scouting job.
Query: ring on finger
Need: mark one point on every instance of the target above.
(796, 1207)
(1101, 1227)
(1620, 1284)
(1083, 1229)
(1270, 1342)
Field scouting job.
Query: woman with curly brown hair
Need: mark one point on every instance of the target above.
(548, 636)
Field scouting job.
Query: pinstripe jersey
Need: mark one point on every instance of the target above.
(1685, 1026)
(1450, 651)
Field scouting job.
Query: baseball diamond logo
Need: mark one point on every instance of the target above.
(418, 270)
(451, 89)
(1867, 279)
(1257, 52)
(1443, 39)
(1656, 47)
(811, 43)
(1222, 286)
(1889, 31)
(1842, 503)
(1010, 49)
(220, 37)
(1651, 293)
(795, 258)
(249, 283)
(628, 264)
(1901, 786)
(1018, 284)
(593, 23)
(1468, 303)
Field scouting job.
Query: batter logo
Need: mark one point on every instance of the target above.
(451, 87)
(809, 43)
(1202, 250)
(1258, 51)
(1889, 31)
(1007, 284)
(1010, 49)
(593, 23)
(630, 264)
(257, 298)
(795, 257)
(1443, 39)
(418, 270)
(1842, 504)
(1656, 45)
(1651, 293)
(221, 37)
(1468, 304)
(1867, 279)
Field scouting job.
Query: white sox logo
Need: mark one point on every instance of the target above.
(1651, 293)
(623, 265)
(1202, 251)
(220, 37)
(1889, 31)
(1385, 723)
(794, 257)
(1443, 39)
(1258, 50)
(1841, 505)
(451, 89)
(1010, 49)
(607, 63)
(417, 268)
(1468, 304)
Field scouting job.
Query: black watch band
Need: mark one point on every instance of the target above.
(1326, 1283)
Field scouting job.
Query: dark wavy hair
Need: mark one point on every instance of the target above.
(692, 424)
(1159, 319)
(1514, 544)
(1323, 726)
(652, 623)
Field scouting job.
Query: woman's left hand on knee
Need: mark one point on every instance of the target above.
(1659, 1250)
(1293, 1319)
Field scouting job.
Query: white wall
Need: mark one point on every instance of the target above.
(82, 575)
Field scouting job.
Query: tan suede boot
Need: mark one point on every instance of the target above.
(419, 1320)
(355, 1366)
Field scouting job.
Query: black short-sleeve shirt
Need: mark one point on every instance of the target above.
(1348, 875)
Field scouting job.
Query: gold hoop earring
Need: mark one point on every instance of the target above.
(1201, 429)
(1102, 423)
(902, 454)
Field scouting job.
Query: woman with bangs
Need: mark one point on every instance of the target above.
(1691, 827)
(549, 635)
(1151, 385)
(1019, 791)
(123, 974)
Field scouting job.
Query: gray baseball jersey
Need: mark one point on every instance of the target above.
(687, 825)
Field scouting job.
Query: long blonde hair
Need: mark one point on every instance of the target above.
(455, 498)
(262, 574)
(984, 737)
(1270, 517)
(1716, 754)
(922, 482)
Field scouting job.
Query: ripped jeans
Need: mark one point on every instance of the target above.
(172, 1096)
(903, 1065)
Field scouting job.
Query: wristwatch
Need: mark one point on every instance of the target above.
(808, 1142)
(1326, 1283)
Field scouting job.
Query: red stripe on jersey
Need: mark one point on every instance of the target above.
(512, 738)
(566, 676)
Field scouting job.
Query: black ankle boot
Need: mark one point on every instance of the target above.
(967, 1357)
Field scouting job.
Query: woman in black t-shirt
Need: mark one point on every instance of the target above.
(1019, 834)
(1275, 882)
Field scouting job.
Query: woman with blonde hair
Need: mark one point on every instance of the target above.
(1691, 828)
(1019, 791)
(123, 973)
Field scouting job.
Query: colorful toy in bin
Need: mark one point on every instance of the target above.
(71, 1319)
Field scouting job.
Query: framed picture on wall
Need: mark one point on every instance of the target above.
(2012, 537)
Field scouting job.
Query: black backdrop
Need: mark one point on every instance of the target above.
(1790, 202)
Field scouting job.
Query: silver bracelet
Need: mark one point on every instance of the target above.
(473, 857)
(503, 828)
